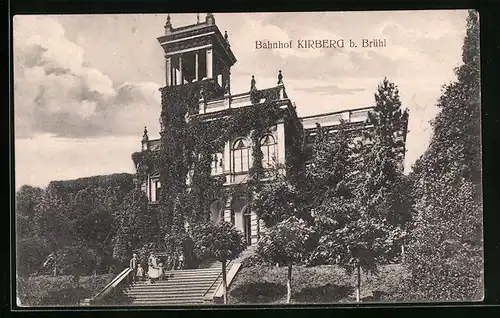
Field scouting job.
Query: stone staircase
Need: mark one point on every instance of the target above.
(182, 287)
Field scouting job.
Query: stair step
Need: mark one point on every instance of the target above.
(165, 297)
(169, 303)
(196, 270)
(167, 292)
(166, 282)
(174, 282)
(178, 285)
(191, 276)
(177, 279)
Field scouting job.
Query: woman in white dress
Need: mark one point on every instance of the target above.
(154, 270)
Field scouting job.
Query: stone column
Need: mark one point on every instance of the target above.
(227, 157)
(280, 139)
(254, 228)
(179, 75)
(196, 66)
(209, 63)
(168, 71)
(148, 187)
(227, 210)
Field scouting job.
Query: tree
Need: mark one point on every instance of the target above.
(137, 223)
(30, 246)
(26, 200)
(30, 254)
(445, 253)
(329, 173)
(77, 260)
(356, 189)
(52, 223)
(383, 188)
(288, 242)
(382, 154)
(278, 199)
(352, 237)
(221, 241)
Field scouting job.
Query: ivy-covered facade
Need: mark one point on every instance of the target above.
(216, 146)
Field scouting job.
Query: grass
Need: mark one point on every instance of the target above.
(45, 290)
(319, 284)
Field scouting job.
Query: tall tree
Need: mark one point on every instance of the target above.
(288, 243)
(382, 155)
(445, 254)
(221, 241)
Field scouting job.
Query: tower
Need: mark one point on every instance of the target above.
(197, 55)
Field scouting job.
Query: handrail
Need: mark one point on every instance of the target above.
(111, 285)
(215, 281)
(231, 274)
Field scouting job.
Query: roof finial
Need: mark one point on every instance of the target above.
(210, 18)
(145, 132)
(252, 83)
(168, 25)
(280, 78)
(197, 18)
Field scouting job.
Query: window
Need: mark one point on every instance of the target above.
(268, 148)
(217, 164)
(241, 156)
(153, 194)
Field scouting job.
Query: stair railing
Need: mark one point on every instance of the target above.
(112, 285)
(216, 279)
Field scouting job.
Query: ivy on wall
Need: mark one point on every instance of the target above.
(188, 143)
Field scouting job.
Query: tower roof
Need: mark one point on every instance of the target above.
(194, 37)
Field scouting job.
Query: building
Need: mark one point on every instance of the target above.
(198, 61)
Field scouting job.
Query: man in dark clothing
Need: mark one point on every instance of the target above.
(133, 267)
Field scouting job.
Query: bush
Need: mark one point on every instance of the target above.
(46, 290)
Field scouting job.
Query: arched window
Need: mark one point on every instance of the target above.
(268, 148)
(241, 155)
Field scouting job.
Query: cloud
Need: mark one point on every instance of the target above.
(54, 92)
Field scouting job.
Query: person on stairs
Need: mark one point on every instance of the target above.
(168, 265)
(140, 273)
(175, 259)
(133, 267)
(153, 269)
(181, 260)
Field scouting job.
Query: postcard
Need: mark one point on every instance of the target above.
(275, 158)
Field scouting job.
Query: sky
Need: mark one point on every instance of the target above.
(86, 85)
